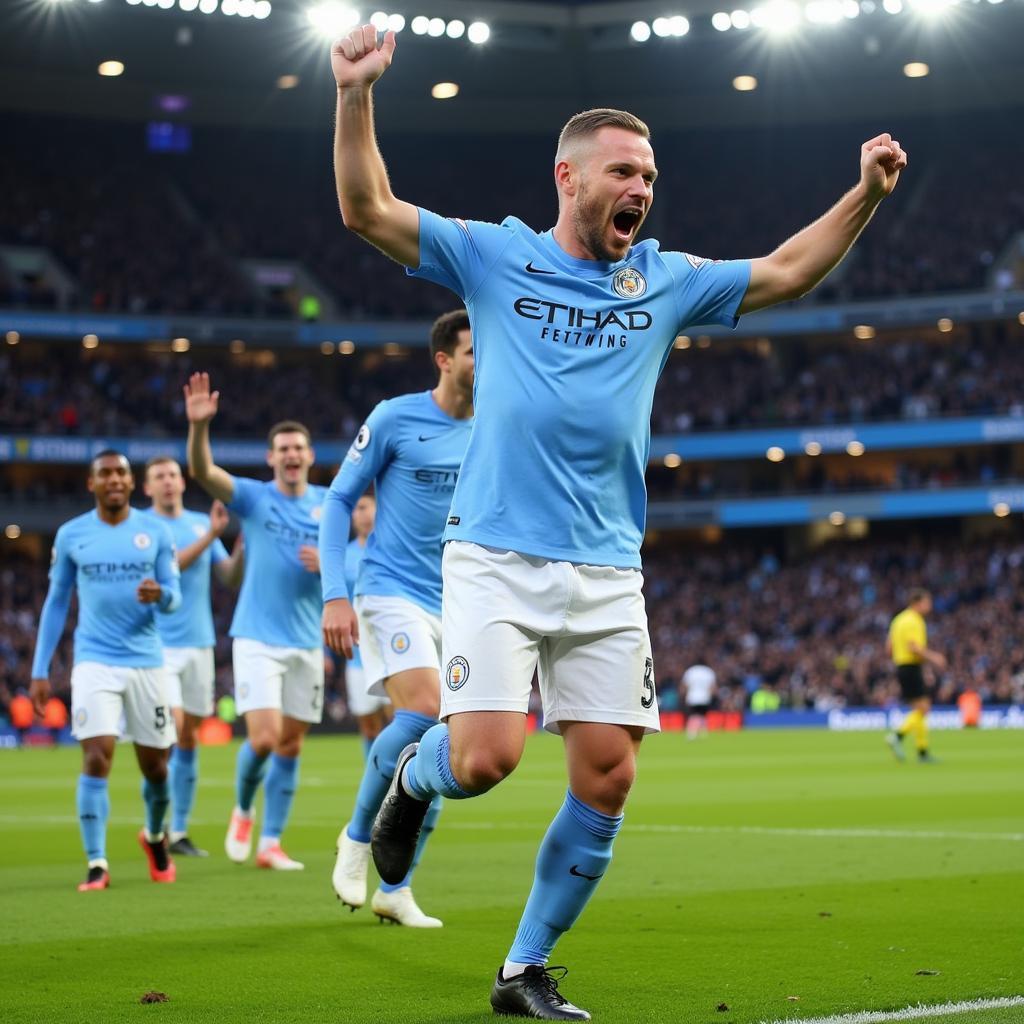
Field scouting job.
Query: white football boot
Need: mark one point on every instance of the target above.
(350, 867)
(238, 841)
(399, 907)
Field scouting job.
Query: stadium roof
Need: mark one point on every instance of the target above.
(542, 62)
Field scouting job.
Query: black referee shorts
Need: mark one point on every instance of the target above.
(911, 679)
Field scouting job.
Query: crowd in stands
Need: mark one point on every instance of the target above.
(812, 627)
(149, 233)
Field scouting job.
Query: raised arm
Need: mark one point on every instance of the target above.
(231, 570)
(200, 408)
(368, 206)
(805, 260)
(219, 519)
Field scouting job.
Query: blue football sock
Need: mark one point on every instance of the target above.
(157, 795)
(429, 824)
(248, 775)
(405, 728)
(367, 747)
(183, 770)
(282, 781)
(575, 853)
(429, 773)
(93, 800)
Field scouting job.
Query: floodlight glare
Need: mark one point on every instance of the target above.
(379, 20)
(892, 6)
(420, 24)
(262, 10)
(229, 7)
(188, 5)
(456, 29)
(207, 6)
(931, 8)
(640, 32)
(436, 27)
(824, 12)
(779, 16)
(165, 5)
(246, 8)
(661, 27)
(329, 19)
(479, 32)
(740, 19)
(721, 21)
(396, 22)
(678, 25)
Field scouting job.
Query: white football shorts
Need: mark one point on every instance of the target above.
(102, 694)
(287, 679)
(359, 701)
(582, 628)
(190, 675)
(395, 635)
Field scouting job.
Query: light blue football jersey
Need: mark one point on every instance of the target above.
(279, 602)
(354, 555)
(567, 354)
(192, 624)
(412, 450)
(106, 564)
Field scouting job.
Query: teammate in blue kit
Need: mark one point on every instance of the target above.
(123, 566)
(187, 634)
(277, 652)
(411, 448)
(371, 711)
(572, 327)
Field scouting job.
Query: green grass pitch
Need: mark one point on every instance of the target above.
(782, 874)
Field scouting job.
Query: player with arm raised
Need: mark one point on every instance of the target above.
(410, 448)
(277, 652)
(188, 634)
(571, 329)
(123, 566)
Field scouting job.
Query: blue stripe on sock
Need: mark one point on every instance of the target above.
(93, 802)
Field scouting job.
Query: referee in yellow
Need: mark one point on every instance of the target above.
(907, 645)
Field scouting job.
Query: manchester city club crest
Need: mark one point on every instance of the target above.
(142, 541)
(457, 674)
(629, 283)
(400, 643)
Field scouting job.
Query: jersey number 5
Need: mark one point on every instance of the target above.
(647, 697)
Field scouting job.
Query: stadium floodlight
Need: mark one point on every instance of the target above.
(262, 10)
(837, 518)
(824, 12)
(229, 7)
(678, 25)
(740, 19)
(246, 8)
(165, 5)
(420, 24)
(445, 90)
(12, 337)
(207, 6)
(673, 460)
(916, 69)
(855, 448)
(188, 5)
(932, 8)
(330, 19)
(660, 27)
(379, 20)
(134, 2)
(775, 454)
(396, 22)
(1000, 508)
(868, 6)
(744, 83)
(149, 3)
(455, 29)
(721, 21)
(851, 9)
(892, 6)
(478, 32)
(436, 27)
(12, 531)
(640, 32)
(779, 16)
(812, 448)
(111, 69)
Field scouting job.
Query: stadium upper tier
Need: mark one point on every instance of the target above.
(906, 379)
(246, 223)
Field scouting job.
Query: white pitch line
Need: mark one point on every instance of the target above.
(918, 1012)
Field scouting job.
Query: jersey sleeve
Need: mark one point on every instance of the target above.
(708, 291)
(244, 496)
(168, 575)
(369, 453)
(458, 253)
(218, 553)
(55, 608)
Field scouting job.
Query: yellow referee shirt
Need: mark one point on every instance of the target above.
(906, 628)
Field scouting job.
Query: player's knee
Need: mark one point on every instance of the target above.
(264, 741)
(609, 787)
(95, 764)
(289, 746)
(479, 770)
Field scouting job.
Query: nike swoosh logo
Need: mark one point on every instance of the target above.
(531, 269)
(432, 437)
(579, 874)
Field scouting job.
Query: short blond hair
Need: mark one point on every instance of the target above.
(588, 122)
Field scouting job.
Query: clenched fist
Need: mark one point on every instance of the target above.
(881, 160)
(357, 60)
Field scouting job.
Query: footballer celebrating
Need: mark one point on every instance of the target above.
(541, 567)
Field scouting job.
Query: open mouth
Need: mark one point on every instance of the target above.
(626, 222)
